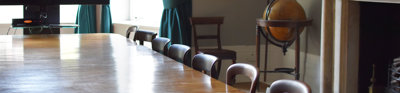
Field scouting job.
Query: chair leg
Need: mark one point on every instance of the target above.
(234, 62)
(216, 75)
(219, 67)
(141, 42)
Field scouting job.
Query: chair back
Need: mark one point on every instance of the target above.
(142, 35)
(160, 44)
(130, 29)
(205, 62)
(244, 69)
(180, 53)
(206, 21)
(289, 86)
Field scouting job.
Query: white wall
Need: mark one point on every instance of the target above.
(240, 16)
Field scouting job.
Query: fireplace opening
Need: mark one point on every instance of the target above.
(379, 45)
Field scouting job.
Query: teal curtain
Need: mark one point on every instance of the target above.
(175, 23)
(86, 19)
(106, 23)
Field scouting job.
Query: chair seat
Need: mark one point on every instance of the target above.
(220, 53)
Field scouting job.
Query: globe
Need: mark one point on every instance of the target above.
(284, 10)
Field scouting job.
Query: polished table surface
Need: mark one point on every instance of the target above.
(94, 63)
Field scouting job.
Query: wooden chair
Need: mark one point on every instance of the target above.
(144, 36)
(219, 52)
(245, 69)
(160, 44)
(130, 30)
(180, 53)
(289, 86)
(206, 63)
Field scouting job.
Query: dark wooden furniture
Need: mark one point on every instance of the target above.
(205, 63)
(244, 69)
(293, 24)
(289, 86)
(160, 44)
(142, 36)
(94, 63)
(180, 53)
(130, 30)
(48, 13)
(219, 52)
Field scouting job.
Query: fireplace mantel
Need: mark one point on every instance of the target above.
(380, 1)
(340, 44)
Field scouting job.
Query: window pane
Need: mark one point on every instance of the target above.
(147, 12)
(68, 13)
(9, 12)
(119, 10)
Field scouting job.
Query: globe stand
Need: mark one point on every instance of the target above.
(294, 25)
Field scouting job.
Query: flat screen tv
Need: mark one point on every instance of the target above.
(51, 2)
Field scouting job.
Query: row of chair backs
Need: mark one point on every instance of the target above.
(279, 86)
(289, 86)
(177, 52)
(205, 63)
(130, 30)
(142, 36)
(244, 69)
(180, 53)
(160, 44)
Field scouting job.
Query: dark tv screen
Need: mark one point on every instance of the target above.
(51, 2)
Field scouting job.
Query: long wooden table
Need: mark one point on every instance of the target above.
(94, 63)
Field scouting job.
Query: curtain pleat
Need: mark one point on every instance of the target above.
(86, 19)
(106, 22)
(175, 23)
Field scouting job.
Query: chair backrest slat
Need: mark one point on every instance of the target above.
(245, 69)
(206, 63)
(289, 86)
(180, 53)
(130, 30)
(142, 36)
(160, 44)
(206, 21)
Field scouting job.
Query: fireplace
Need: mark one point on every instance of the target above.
(379, 44)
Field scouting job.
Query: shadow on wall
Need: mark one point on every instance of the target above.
(310, 62)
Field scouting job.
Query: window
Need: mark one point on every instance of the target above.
(119, 10)
(147, 12)
(68, 13)
(9, 12)
(140, 12)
